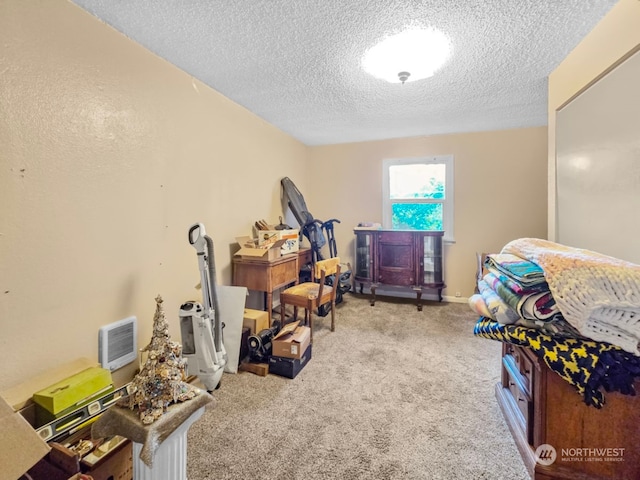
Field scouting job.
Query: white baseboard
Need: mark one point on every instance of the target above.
(450, 299)
(402, 293)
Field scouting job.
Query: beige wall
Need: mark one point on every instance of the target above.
(109, 154)
(613, 40)
(500, 190)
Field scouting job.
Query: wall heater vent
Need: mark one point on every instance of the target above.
(118, 343)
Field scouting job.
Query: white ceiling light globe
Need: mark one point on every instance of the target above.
(419, 52)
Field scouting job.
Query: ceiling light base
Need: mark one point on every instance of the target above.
(403, 76)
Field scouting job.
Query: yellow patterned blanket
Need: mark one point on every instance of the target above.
(589, 366)
(597, 294)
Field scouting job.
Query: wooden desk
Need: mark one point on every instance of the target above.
(304, 256)
(265, 276)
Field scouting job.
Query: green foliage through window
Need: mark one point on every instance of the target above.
(418, 194)
(417, 216)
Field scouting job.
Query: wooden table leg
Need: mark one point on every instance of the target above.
(419, 298)
(269, 304)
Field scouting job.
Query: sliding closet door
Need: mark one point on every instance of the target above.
(598, 165)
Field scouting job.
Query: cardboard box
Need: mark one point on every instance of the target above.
(289, 367)
(255, 320)
(290, 236)
(111, 460)
(20, 445)
(45, 470)
(291, 341)
(267, 252)
(118, 465)
(22, 449)
(20, 396)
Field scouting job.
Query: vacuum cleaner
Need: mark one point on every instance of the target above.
(200, 324)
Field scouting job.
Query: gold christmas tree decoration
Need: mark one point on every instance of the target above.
(161, 380)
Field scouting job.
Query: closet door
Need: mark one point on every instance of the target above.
(598, 165)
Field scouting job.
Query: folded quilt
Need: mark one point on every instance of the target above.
(510, 297)
(478, 305)
(514, 284)
(538, 306)
(589, 366)
(530, 306)
(599, 295)
(500, 310)
(526, 274)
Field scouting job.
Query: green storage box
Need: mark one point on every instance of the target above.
(74, 391)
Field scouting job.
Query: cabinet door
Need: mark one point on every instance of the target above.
(430, 247)
(396, 258)
(364, 256)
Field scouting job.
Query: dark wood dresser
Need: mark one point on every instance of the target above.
(543, 409)
(408, 259)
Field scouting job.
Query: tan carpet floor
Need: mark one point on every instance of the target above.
(393, 393)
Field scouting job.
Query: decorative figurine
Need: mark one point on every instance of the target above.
(161, 380)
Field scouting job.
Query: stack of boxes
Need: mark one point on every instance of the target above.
(290, 348)
(290, 237)
(269, 243)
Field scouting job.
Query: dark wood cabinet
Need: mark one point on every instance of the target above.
(396, 259)
(542, 409)
(400, 258)
(364, 257)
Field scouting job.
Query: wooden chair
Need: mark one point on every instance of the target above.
(310, 295)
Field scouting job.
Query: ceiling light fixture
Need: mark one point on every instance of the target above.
(408, 56)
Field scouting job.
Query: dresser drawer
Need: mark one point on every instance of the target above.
(525, 364)
(512, 351)
(396, 238)
(522, 363)
(520, 394)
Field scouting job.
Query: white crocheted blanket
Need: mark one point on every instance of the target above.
(597, 294)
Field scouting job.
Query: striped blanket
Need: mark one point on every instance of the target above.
(591, 367)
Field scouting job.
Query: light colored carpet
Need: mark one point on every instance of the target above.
(393, 393)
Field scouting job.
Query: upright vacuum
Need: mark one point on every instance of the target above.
(200, 324)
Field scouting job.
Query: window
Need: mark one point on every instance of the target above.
(418, 194)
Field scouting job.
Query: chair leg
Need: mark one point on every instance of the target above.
(310, 314)
(333, 316)
(282, 316)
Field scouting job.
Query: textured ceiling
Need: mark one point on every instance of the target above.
(297, 63)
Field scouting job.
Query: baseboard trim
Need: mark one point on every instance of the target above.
(447, 298)
(387, 292)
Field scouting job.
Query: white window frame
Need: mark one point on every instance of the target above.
(447, 202)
